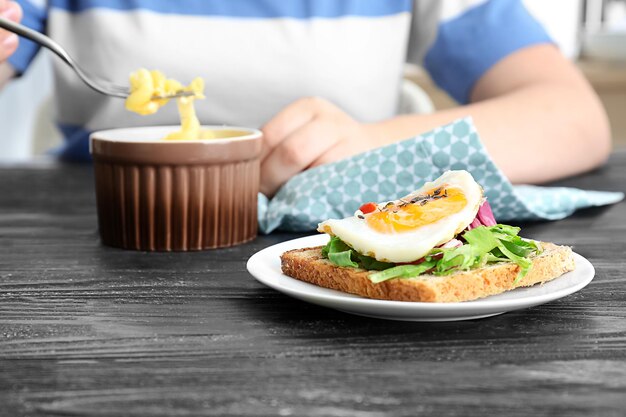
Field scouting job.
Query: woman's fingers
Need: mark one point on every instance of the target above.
(297, 152)
(307, 133)
(291, 118)
(9, 40)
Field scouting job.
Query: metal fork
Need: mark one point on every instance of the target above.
(102, 86)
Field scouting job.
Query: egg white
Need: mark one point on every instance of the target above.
(409, 246)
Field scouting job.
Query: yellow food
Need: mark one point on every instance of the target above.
(146, 85)
(408, 217)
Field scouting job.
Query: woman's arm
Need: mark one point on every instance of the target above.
(536, 114)
(538, 117)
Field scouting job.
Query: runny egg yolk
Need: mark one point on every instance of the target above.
(429, 208)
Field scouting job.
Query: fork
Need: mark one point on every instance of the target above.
(102, 86)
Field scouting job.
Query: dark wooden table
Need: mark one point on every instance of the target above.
(87, 330)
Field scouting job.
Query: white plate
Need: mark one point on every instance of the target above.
(265, 267)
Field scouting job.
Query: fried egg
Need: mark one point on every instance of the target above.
(407, 229)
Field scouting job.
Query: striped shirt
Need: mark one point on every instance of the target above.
(257, 56)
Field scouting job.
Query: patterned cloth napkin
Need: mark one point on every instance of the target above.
(338, 189)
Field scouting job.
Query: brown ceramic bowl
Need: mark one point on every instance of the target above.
(158, 195)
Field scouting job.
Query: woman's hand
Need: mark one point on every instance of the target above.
(309, 132)
(8, 40)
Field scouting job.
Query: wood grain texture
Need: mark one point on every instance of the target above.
(87, 330)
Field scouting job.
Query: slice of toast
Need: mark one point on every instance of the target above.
(308, 265)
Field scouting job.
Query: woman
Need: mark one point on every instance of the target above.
(322, 77)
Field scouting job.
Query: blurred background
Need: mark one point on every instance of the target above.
(592, 33)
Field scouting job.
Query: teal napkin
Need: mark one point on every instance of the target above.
(338, 189)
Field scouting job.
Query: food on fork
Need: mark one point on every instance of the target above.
(440, 243)
(147, 86)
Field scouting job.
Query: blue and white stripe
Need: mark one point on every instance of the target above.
(242, 9)
(257, 56)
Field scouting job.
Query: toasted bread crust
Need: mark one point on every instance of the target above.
(308, 265)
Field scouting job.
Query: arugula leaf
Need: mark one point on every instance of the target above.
(369, 263)
(402, 271)
(334, 245)
(492, 258)
(524, 264)
(481, 238)
(505, 229)
(342, 259)
(460, 258)
(339, 253)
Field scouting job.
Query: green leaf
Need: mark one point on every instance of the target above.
(342, 259)
(339, 253)
(505, 229)
(524, 264)
(460, 259)
(491, 258)
(369, 263)
(481, 238)
(518, 248)
(334, 245)
(402, 271)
